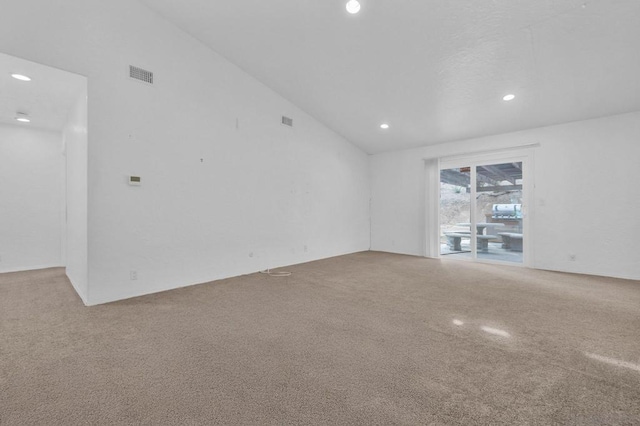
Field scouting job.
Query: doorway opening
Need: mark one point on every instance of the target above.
(43, 160)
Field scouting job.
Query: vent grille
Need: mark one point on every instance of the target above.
(287, 121)
(140, 74)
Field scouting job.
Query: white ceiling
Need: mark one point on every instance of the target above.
(435, 70)
(47, 98)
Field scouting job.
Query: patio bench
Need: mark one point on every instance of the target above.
(483, 242)
(454, 239)
(511, 241)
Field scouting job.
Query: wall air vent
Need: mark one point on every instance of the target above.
(140, 74)
(287, 121)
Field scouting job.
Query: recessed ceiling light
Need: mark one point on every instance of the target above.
(384, 126)
(353, 6)
(21, 77)
(509, 97)
(22, 117)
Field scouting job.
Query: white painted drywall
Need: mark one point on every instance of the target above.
(31, 198)
(75, 230)
(587, 196)
(264, 195)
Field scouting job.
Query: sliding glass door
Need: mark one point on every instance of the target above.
(499, 211)
(482, 210)
(455, 211)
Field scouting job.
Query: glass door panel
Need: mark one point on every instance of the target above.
(498, 212)
(455, 212)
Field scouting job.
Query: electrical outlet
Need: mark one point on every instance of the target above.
(572, 257)
(133, 275)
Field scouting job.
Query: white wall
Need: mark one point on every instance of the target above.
(587, 194)
(31, 194)
(75, 229)
(264, 195)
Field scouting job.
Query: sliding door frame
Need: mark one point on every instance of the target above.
(526, 156)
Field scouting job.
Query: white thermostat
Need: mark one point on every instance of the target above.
(135, 180)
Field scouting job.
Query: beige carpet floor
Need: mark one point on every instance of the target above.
(368, 338)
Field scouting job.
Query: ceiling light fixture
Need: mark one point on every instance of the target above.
(21, 77)
(22, 117)
(353, 6)
(509, 97)
(384, 126)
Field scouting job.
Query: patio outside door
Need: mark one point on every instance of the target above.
(482, 210)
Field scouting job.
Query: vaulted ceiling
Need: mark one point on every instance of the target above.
(434, 70)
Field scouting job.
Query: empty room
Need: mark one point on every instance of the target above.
(366, 212)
